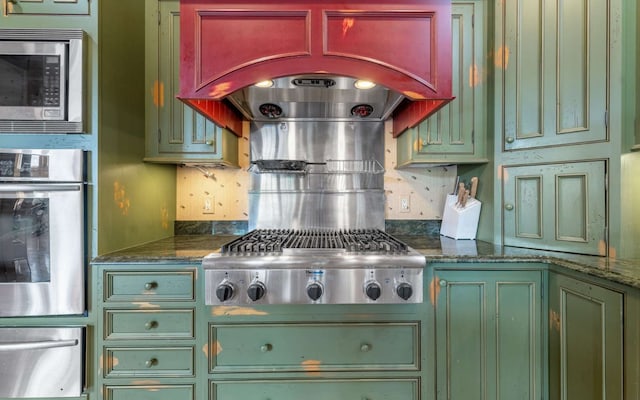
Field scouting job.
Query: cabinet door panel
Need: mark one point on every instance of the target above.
(555, 72)
(585, 345)
(456, 133)
(370, 389)
(556, 207)
(488, 335)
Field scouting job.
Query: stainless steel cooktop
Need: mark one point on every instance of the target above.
(282, 266)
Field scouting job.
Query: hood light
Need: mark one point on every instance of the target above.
(361, 84)
(264, 84)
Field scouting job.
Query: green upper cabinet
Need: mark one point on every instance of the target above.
(556, 207)
(175, 133)
(554, 57)
(585, 341)
(46, 7)
(456, 134)
(488, 326)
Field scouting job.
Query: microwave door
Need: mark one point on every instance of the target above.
(33, 82)
(41, 249)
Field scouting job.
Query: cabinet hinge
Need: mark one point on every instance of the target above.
(606, 119)
(159, 17)
(159, 135)
(473, 20)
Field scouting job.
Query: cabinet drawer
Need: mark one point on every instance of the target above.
(149, 286)
(148, 324)
(315, 347)
(369, 389)
(157, 362)
(149, 392)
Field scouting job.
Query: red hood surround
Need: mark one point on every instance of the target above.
(403, 45)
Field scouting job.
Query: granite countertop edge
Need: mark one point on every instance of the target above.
(190, 249)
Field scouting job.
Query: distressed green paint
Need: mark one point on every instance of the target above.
(586, 340)
(556, 207)
(136, 201)
(456, 134)
(175, 133)
(488, 330)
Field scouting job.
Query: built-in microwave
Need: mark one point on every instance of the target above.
(41, 81)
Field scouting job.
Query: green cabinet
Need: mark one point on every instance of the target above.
(146, 342)
(586, 349)
(554, 63)
(175, 133)
(488, 330)
(46, 7)
(456, 133)
(556, 207)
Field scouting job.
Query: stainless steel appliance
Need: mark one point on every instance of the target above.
(41, 80)
(316, 206)
(41, 362)
(356, 266)
(42, 249)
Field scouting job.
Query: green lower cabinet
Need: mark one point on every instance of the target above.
(488, 334)
(149, 392)
(335, 347)
(308, 389)
(585, 340)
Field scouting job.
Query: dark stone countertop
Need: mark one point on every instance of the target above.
(191, 248)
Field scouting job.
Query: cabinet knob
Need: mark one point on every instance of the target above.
(443, 282)
(508, 206)
(150, 325)
(365, 347)
(265, 348)
(150, 363)
(210, 142)
(150, 285)
(510, 139)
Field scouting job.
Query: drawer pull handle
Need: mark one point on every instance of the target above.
(150, 325)
(365, 347)
(265, 348)
(150, 285)
(151, 363)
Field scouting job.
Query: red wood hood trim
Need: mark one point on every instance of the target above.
(403, 45)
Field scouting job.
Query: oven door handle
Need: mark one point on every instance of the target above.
(41, 187)
(45, 344)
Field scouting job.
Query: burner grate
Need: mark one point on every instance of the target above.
(352, 240)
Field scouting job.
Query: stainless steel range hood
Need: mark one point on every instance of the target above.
(317, 97)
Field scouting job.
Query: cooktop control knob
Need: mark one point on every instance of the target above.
(224, 291)
(404, 290)
(372, 290)
(256, 291)
(314, 290)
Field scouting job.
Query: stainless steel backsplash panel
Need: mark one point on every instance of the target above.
(319, 197)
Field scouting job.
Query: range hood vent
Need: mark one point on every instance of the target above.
(318, 98)
(313, 52)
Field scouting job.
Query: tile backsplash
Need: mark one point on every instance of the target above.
(220, 194)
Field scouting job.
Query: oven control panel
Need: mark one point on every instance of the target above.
(393, 285)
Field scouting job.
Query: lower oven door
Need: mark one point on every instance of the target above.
(41, 362)
(41, 249)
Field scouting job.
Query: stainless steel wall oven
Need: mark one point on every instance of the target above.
(42, 231)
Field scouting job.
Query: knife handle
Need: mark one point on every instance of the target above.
(474, 186)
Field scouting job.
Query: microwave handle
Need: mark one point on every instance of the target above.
(45, 344)
(40, 187)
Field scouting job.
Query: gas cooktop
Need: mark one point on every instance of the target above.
(283, 266)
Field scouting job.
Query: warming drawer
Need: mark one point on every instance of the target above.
(41, 362)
